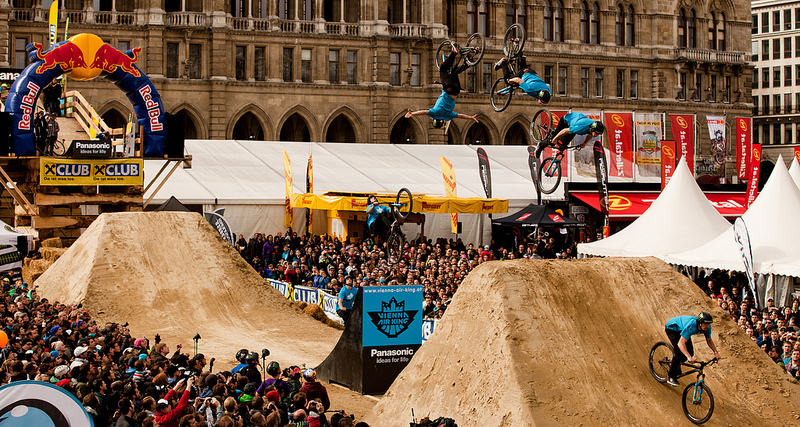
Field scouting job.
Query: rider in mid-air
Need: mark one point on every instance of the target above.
(379, 218)
(574, 124)
(526, 79)
(442, 111)
(679, 331)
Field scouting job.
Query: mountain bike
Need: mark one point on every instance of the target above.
(401, 209)
(471, 53)
(502, 91)
(697, 401)
(548, 171)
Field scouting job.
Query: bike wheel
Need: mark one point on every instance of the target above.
(541, 126)
(660, 359)
(500, 96)
(405, 203)
(445, 48)
(394, 246)
(475, 47)
(698, 402)
(59, 149)
(514, 40)
(549, 175)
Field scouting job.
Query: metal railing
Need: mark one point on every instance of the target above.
(701, 55)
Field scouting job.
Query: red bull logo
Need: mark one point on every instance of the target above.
(667, 151)
(617, 120)
(67, 56)
(109, 59)
(682, 122)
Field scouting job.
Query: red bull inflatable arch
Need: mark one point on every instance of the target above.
(84, 57)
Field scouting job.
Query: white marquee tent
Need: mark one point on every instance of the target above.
(681, 218)
(246, 178)
(794, 172)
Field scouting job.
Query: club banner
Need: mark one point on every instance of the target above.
(449, 177)
(620, 143)
(485, 172)
(288, 216)
(752, 182)
(667, 162)
(218, 221)
(743, 145)
(39, 403)
(648, 146)
(683, 134)
(743, 241)
(90, 172)
(583, 160)
(601, 169)
(716, 128)
(309, 190)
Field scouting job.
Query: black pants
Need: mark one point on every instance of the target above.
(344, 314)
(562, 142)
(449, 75)
(381, 225)
(522, 64)
(678, 357)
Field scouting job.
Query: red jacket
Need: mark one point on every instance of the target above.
(315, 390)
(171, 418)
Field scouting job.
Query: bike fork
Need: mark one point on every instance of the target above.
(697, 395)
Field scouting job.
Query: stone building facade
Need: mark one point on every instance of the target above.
(342, 70)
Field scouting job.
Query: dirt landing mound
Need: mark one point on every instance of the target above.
(535, 342)
(170, 273)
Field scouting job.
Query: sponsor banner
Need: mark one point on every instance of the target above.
(449, 177)
(309, 295)
(648, 146)
(428, 326)
(752, 182)
(425, 204)
(683, 134)
(310, 189)
(796, 153)
(38, 403)
(381, 365)
(53, 21)
(90, 172)
(533, 167)
(485, 172)
(743, 241)
(91, 149)
(631, 205)
(743, 130)
(552, 151)
(288, 216)
(620, 140)
(218, 221)
(10, 258)
(583, 160)
(601, 168)
(392, 315)
(668, 160)
(716, 129)
(8, 75)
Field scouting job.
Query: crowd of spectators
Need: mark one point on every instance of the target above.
(124, 381)
(773, 328)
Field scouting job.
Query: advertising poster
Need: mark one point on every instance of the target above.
(752, 182)
(288, 216)
(90, 172)
(450, 190)
(619, 127)
(683, 135)
(742, 146)
(716, 130)
(648, 146)
(668, 160)
(583, 160)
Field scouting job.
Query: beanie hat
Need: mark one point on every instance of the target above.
(273, 396)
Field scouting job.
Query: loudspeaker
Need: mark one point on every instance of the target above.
(22, 245)
(174, 125)
(5, 133)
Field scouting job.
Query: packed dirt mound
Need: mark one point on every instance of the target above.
(533, 342)
(170, 273)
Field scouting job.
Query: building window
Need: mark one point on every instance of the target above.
(787, 102)
(787, 132)
(621, 83)
(776, 134)
(776, 21)
(195, 60)
(415, 69)
(691, 32)
(776, 98)
(726, 94)
(634, 84)
(562, 81)
(698, 87)
(305, 65)
(288, 64)
(585, 23)
(124, 45)
(260, 62)
(682, 28)
(241, 62)
(594, 24)
(598, 82)
(548, 21)
(787, 75)
(765, 22)
(797, 17)
(548, 75)
(472, 16)
(515, 13)
(764, 50)
(487, 77)
(719, 23)
(765, 134)
(682, 91)
(797, 75)
(630, 29)
(776, 76)
(351, 66)
(558, 21)
(754, 51)
(765, 77)
(765, 105)
(797, 46)
(776, 48)
(619, 26)
(471, 79)
(394, 69)
(483, 18)
(333, 66)
(712, 85)
(522, 14)
(754, 29)
(172, 60)
(755, 78)
(585, 82)
(20, 54)
(787, 19)
(787, 47)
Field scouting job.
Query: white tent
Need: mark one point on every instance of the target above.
(246, 178)
(794, 172)
(12, 242)
(772, 227)
(681, 218)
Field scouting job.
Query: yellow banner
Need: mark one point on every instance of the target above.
(53, 21)
(424, 204)
(449, 176)
(288, 217)
(91, 172)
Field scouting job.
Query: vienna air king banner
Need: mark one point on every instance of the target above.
(683, 135)
(742, 146)
(391, 333)
(90, 172)
(620, 144)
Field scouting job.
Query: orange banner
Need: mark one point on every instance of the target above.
(667, 162)
(449, 177)
(287, 177)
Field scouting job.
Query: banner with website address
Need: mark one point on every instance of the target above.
(91, 171)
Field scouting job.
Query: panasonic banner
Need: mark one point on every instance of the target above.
(391, 326)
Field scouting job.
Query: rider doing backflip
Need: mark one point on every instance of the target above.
(442, 111)
(379, 220)
(526, 79)
(679, 331)
(574, 124)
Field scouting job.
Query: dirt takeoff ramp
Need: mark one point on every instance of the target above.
(566, 343)
(170, 273)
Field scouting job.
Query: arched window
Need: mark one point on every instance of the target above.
(691, 32)
(511, 13)
(594, 24)
(483, 18)
(472, 16)
(721, 31)
(584, 23)
(522, 15)
(630, 30)
(682, 28)
(558, 24)
(712, 31)
(619, 26)
(548, 21)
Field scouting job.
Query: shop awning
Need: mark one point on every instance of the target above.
(632, 205)
(422, 203)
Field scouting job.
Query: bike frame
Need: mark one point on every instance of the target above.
(558, 157)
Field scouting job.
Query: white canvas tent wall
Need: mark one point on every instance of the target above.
(773, 229)
(10, 243)
(246, 178)
(681, 218)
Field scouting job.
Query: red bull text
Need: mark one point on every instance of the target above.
(153, 111)
(27, 105)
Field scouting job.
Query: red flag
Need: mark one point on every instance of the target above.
(752, 183)
(742, 145)
(667, 162)
(683, 135)
(620, 143)
(797, 153)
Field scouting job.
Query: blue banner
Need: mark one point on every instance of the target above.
(392, 316)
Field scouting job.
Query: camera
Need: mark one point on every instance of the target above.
(124, 325)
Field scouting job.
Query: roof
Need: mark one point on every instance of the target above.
(537, 215)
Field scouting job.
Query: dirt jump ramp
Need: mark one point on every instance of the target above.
(566, 343)
(170, 273)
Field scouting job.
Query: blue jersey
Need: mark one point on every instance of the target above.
(578, 123)
(372, 215)
(443, 109)
(687, 326)
(348, 297)
(532, 84)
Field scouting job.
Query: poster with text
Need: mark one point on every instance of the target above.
(716, 131)
(683, 135)
(742, 146)
(619, 127)
(648, 147)
(583, 160)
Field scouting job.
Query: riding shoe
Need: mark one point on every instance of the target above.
(499, 64)
(673, 382)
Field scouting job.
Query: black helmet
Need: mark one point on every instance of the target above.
(705, 317)
(543, 96)
(251, 358)
(597, 126)
(437, 123)
(273, 368)
(241, 354)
